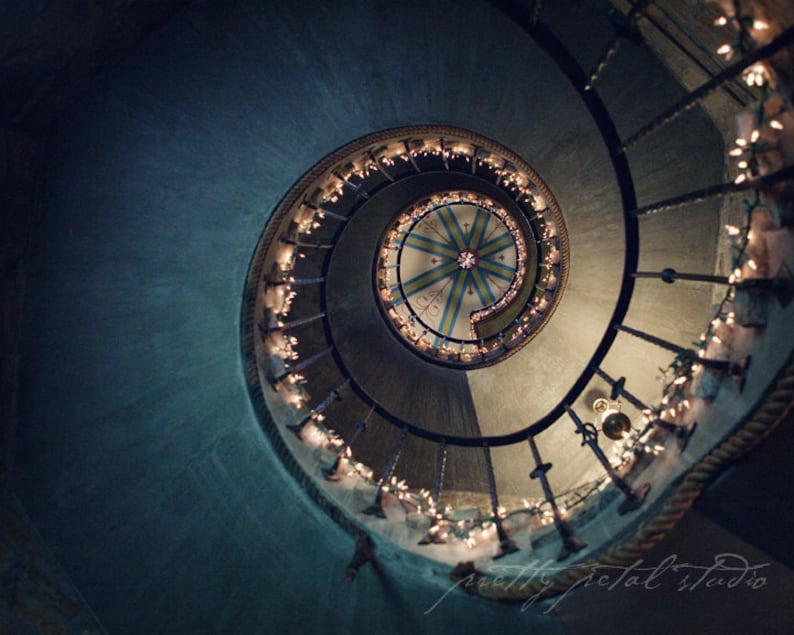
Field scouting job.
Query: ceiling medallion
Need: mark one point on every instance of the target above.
(449, 266)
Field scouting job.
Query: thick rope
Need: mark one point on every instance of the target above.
(778, 402)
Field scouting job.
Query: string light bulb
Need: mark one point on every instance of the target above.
(756, 75)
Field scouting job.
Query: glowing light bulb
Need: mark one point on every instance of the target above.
(736, 152)
(776, 124)
(760, 25)
(755, 136)
(740, 179)
(741, 142)
(742, 165)
(756, 75)
(721, 21)
(724, 49)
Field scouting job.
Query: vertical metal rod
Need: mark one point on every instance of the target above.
(745, 39)
(333, 395)
(304, 363)
(722, 365)
(357, 189)
(326, 212)
(474, 159)
(696, 96)
(411, 156)
(782, 287)
(329, 214)
(634, 498)
(714, 191)
(381, 169)
(376, 509)
(625, 28)
(441, 463)
(669, 276)
(300, 243)
(300, 322)
(301, 282)
(658, 341)
(506, 545)
(444, 154)
(619, 391)
(570, 544)
(501, 171)
(330, 473)
(432, 537)
(603, 61)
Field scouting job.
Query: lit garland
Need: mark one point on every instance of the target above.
(472, 531)
(636, 444)
(279, 295)
(749, 145)
(744, 25)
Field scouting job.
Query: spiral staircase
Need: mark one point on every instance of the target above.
(215, 395)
